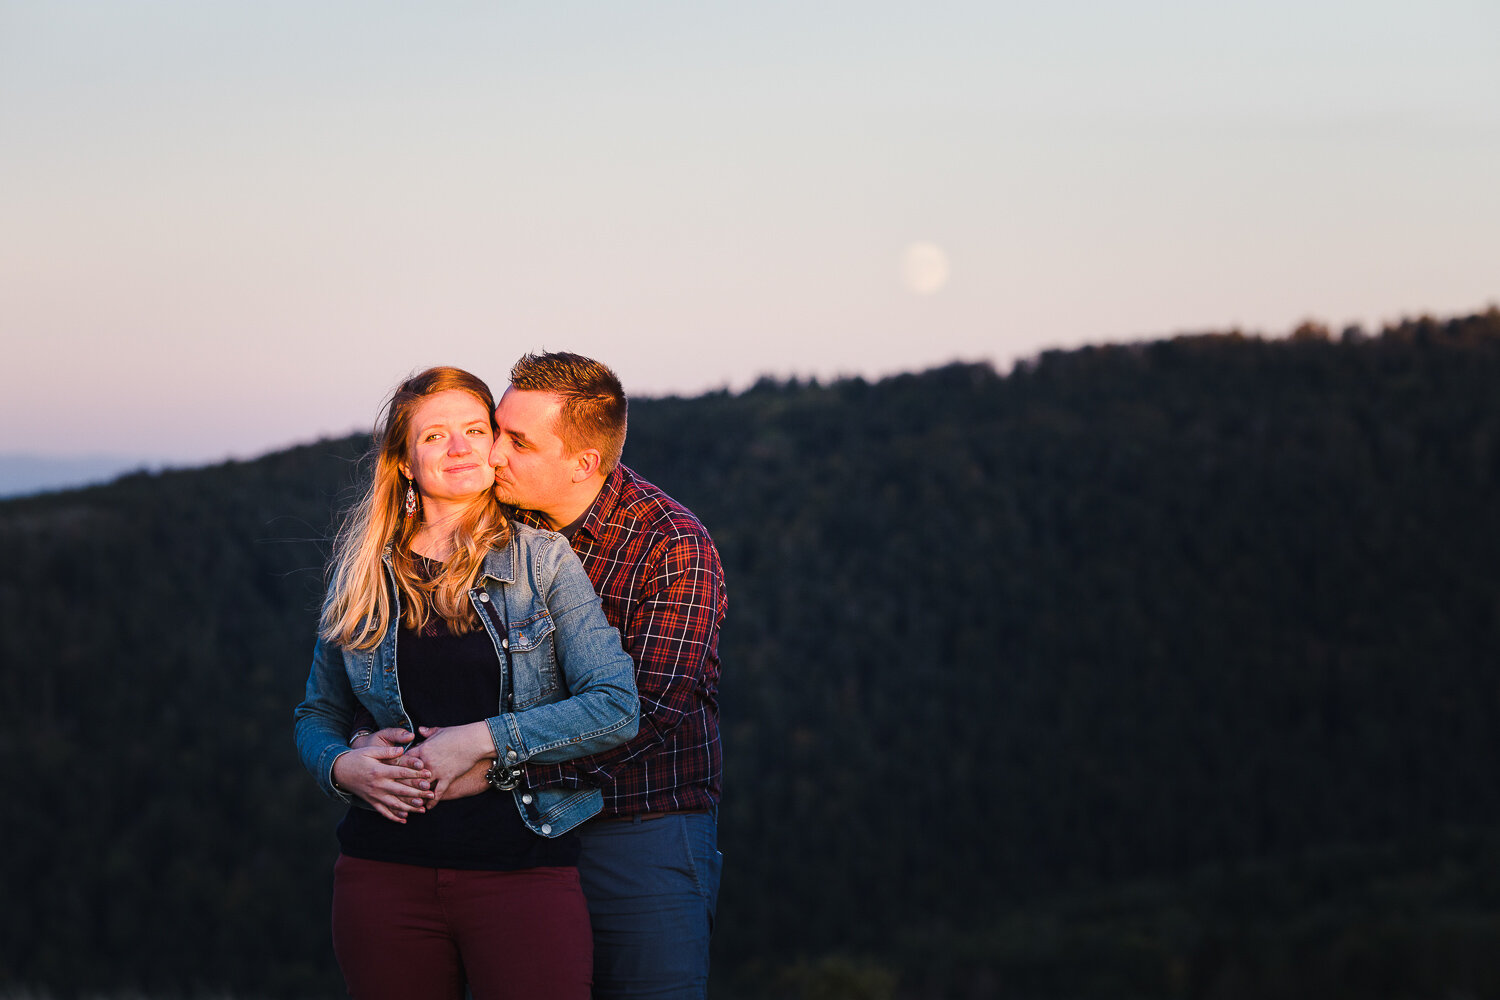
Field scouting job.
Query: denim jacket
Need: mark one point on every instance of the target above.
(571, 691)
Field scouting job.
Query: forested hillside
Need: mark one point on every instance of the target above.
(1161, 670)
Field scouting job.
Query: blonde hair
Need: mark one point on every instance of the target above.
(357, 611)
(594, 409)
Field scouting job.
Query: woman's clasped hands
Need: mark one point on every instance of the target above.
(398, 776)
(380, 770)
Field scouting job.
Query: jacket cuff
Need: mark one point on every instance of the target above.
(332, 754)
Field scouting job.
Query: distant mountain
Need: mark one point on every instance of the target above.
(21, 475)
(1142, 671)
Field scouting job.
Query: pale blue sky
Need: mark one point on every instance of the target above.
(230, 227)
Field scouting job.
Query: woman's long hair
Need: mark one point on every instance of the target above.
(357, 611)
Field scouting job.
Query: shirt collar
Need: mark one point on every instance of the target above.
(603, 507)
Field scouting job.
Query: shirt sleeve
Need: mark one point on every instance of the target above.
(671, 634)
(363, 719)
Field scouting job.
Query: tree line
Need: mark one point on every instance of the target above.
(1155, 670)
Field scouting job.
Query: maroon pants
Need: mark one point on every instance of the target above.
(405, 932)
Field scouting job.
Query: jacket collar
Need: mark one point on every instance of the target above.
(500, 564)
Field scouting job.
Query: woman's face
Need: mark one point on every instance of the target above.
(450, 447)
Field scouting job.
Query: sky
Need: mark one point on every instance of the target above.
(230, 227)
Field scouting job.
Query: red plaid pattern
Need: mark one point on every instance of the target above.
(659, 577)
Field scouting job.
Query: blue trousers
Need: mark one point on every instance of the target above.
(652, 886)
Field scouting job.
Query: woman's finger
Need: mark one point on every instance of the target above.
(414, 782)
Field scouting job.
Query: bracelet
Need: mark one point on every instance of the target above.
(358, 734)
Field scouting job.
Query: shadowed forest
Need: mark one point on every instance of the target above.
(1152, 671)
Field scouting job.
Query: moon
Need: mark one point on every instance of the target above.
(924, 268)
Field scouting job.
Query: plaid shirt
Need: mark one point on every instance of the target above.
(659, 577)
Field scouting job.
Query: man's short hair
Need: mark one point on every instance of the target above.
(594, 409)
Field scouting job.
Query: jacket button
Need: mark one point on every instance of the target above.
(510, 755)
(526, 799)
(546, 829)
(484, 598)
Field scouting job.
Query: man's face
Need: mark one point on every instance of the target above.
(532, 468)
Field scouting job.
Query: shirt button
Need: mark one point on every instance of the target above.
(546, 829)
(526, 799)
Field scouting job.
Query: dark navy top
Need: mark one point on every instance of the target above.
(450, 680)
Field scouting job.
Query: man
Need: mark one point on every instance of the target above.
(650, 862)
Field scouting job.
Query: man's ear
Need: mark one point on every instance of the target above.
(586, 464)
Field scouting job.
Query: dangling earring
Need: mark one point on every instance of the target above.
(411, 501)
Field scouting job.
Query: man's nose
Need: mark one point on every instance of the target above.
(497, 454)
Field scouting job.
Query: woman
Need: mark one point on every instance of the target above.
(450, 870)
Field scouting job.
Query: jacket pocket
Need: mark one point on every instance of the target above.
(359, 664)
(534, 660)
